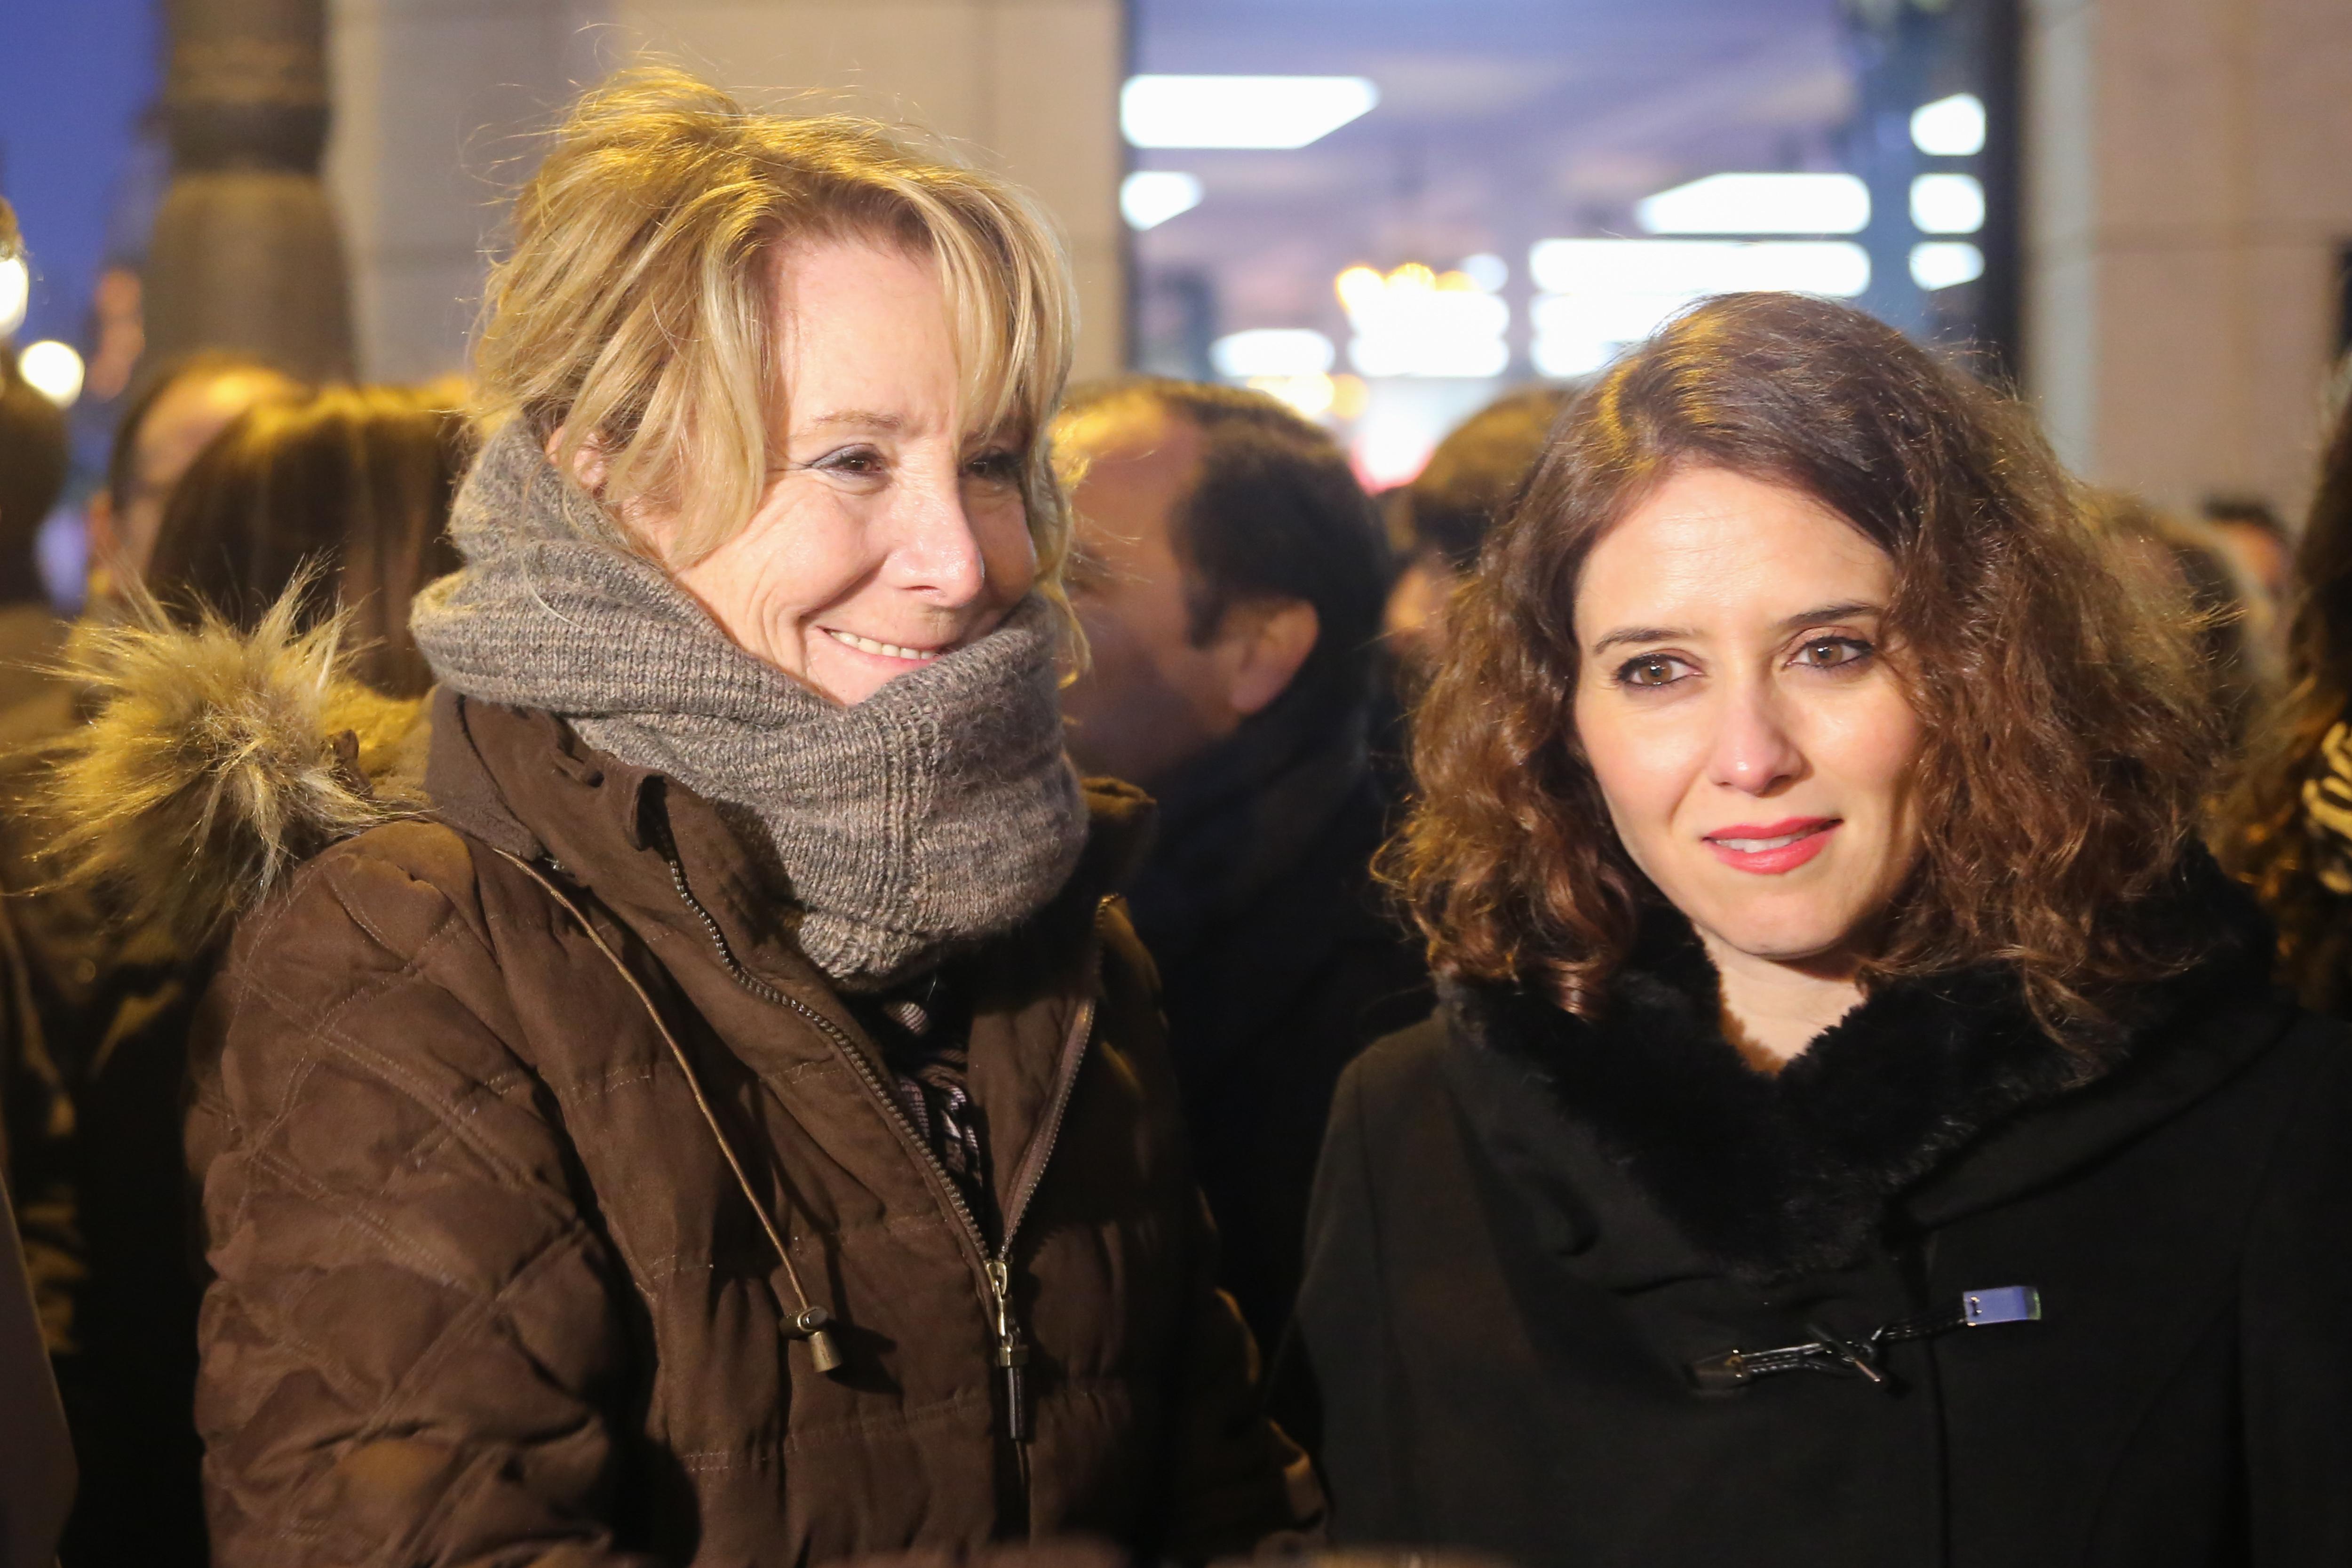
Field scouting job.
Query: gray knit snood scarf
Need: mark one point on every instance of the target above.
(938, 810)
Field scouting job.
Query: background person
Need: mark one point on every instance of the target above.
(1809, 845)
(2285, 827)
(351, 483)
(341, 497)
(2252, 530)
(718, 1112)
(1449, 509)
(35, 1118)
(34, 455)
(178, 408)
(1229, 579)
(2232, 621)
(37, 1471)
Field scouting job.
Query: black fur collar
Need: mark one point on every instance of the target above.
(1770, 1177)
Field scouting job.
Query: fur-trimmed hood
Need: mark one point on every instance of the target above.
(1772, 1176)
(214, 761)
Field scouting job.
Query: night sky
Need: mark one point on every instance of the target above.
(74, 76)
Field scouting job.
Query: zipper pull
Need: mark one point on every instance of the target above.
(812, 1323)
(1012, 1353)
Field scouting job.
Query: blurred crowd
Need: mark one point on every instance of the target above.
(1259, 631)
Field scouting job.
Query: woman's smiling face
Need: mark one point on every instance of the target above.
(1739, 707)
(889, 533)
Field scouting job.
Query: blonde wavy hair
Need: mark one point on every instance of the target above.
(634, 313)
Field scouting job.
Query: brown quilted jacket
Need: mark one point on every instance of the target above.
(486, 1290)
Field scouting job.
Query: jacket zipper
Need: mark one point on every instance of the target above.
(1012, 1349)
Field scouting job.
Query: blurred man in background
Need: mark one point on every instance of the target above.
(1230, 577)
(177, 410)
(2257, 539)
(1448, 510)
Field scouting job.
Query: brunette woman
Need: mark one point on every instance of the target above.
(1860, 1129)
(718, 1113)
(2286, 826)
(352, 484)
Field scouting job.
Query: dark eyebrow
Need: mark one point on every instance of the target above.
(1639, 634)
(1844, 611)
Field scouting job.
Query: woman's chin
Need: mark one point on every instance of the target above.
(1813, 941)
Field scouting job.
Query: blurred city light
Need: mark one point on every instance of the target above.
(1950, 127)
(1309, 394)
(1948, 203)
(53, 369)
(1272, 351)
(1576, 334)
(1760, 203)
(1487, 270)
(1317, 396)
(1600, 294)
(1414, 321)
(1837, 268)
(1150, 197)
(1391, 448)
(15, 288)
(1942, 263)
(1260, 111)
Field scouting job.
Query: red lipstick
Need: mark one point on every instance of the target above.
(1770, 849)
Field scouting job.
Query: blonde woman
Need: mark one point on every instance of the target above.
(718, 1115)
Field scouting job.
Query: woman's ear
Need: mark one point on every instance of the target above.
(589, 464)
(651, 535)
(1261, 647)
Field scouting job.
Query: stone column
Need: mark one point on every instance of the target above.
(2187, 206)
(246, 254)
(435, 104)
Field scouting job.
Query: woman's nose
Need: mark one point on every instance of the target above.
(937, 551)
(1753, 749)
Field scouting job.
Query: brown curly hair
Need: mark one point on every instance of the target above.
(2067, 736)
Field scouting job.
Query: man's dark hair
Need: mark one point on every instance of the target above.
(2245, 511)
(1275, 512)
(33, 457)
(1477, 472)
(121, 459)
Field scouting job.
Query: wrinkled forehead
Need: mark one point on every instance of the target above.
(993, 392)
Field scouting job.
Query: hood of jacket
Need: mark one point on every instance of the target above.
(1910, 1111)
(213, 761)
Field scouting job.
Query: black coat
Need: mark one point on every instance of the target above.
(1534, 1241)
(1280, 960)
